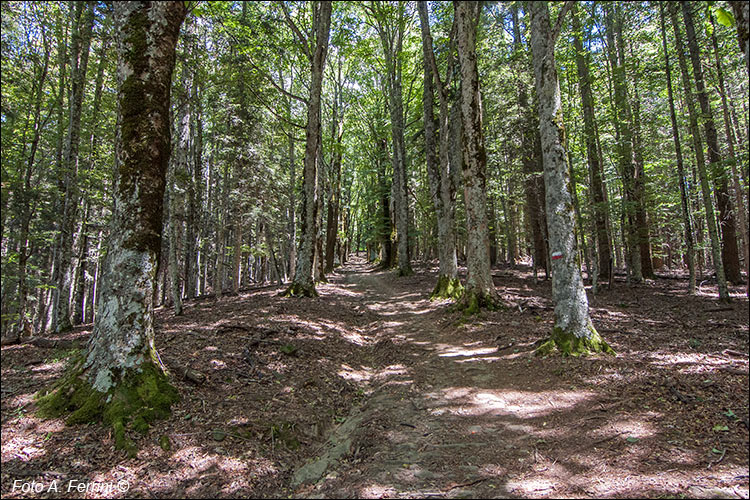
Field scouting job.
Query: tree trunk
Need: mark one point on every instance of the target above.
(601, 215)
(442, 190)
(625, 140)
(480, 289)
(739, 203)
(303, 283)
(122, 365)
(729, 251)
(680, 167)
(573, 332)
(81, 41)
(741, 11)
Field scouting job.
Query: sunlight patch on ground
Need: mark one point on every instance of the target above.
(521, 404)
(531, 487)
(377, 491)
(450, 351)
(362, 375)
(687, 362)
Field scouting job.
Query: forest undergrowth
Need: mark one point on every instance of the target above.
(373, 390)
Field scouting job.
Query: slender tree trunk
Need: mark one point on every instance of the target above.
(303, 283)
(680, 167)
(573, 332)
(601, 214)
(700, 159)
(480, 289)
(81, 41)
(439, 165)
(173, 237)
(729, 251)
(624, 118)
(739, 203)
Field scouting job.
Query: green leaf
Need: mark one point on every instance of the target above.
(720, 428)
(730, 414)
(724, 17)
(631, 439)
(718, 452)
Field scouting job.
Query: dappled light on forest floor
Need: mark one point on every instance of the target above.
(439, 406)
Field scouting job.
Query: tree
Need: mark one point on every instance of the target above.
(480, 289)
(442, 189)
(573, 333)
(601, 214)
(124, 379)
(316, 49)
(680, 167)
(391, 27)
(729, 251)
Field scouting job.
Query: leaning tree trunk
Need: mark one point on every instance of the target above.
(573, 333)
(680, 165)
(480, 290)
(124, 384)
(741, 11)
(303, 282)
(729, 251)
(713, 228)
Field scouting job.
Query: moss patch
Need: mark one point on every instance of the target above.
(569, 344)
(471, 302)
(300, 290)
(140, 398)
(447, 288)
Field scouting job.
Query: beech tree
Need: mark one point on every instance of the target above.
(480, 290)
(124, 381)
(573, 332)
(315, 49)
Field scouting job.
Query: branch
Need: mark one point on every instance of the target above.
(560, 17)
(300, 37)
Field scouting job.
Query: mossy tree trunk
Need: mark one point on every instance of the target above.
(574, 333)
(480, 290)
(124, 383)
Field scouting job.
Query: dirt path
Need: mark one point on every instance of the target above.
(373, 391)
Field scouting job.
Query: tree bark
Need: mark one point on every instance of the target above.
(680, 167)
(303, 283)
(480, 289)
(729, 251)
(573, 332)
(81, 41)
(624, 118)
(699, 158)
(442, 190)
(122, 342)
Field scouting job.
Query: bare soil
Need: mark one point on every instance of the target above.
(372, 390)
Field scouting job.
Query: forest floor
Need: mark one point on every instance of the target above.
(372, 390)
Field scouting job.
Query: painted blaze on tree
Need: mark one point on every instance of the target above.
(121, 380)
(573, 333)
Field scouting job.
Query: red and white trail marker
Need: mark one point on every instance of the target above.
(556, 255)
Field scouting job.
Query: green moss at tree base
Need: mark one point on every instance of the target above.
(569, 344)
(299, 290)
(471, 302)
(140, 398)
(447, 288)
